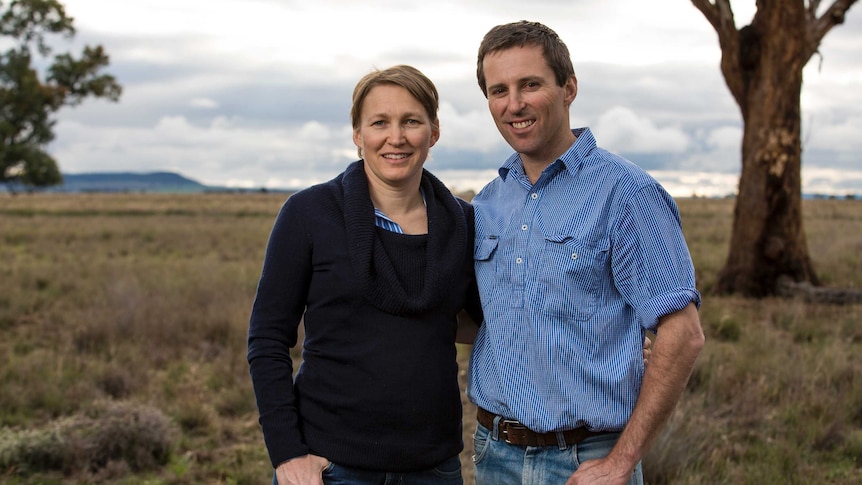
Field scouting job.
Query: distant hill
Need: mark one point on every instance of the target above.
(172, 182)
(128, 182)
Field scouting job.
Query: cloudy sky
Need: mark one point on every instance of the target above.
(256, 93)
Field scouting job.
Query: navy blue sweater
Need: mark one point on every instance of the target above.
(378, 385)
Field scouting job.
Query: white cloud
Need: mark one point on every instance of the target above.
(623, 130)
(315, 132)
(725, 139)
(466, 180)
(700, 184)
(222, 152)
(816, 180)
(203, 103)
(473, 130)
(825, 133)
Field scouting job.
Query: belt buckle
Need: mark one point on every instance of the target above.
(505, 425)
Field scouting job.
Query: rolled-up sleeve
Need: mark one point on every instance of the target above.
(651, 263)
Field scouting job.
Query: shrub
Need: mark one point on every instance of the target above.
(140, 437)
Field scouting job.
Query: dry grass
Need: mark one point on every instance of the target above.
(142, 301)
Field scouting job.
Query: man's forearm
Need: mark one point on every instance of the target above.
(678, 342)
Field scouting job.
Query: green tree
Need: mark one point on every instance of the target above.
(762, 66)
(27, 103)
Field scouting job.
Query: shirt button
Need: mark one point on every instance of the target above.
(534, 196)
(519, 260)
(574, 255)
(524, 227)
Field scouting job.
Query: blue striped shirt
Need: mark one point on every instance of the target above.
(572, 272)
(383, 221)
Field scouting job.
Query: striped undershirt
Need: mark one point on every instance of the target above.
(383, 221)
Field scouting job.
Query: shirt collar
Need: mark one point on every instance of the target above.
(383, 221)
(572, 159)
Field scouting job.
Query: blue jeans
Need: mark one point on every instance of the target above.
(446, 473)
(499, 463)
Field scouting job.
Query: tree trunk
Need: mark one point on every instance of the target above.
(768, 239)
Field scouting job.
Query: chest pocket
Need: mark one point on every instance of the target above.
(484, 256)
(485, 248)
(571, 277)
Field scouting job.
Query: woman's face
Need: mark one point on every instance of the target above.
(395, 134)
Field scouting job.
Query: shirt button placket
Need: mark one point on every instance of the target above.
(523, 242)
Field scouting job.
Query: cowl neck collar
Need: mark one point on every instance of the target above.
(444, 254)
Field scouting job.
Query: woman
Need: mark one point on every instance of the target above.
(377, 263)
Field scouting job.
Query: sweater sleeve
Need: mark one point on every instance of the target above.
(276, 313)
(472, 303)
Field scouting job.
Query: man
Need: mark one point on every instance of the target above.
(578, 254)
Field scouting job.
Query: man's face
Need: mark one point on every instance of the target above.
(530, 109)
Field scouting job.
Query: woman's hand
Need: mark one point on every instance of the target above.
(647, 350)
(302, 470)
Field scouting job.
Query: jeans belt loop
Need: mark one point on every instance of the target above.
(561, 441)
(495, 428)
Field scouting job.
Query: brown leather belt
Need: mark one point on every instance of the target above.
(515, 433)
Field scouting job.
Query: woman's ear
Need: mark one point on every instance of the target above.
(435, 132)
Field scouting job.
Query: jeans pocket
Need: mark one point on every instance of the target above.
(480, 443)
(449, 469)
(596, 447)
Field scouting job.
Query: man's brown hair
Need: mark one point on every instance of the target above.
(525, 33)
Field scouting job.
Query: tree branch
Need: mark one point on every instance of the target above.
(720, 15)
(710, 11)
(818, 27)
(813, 6)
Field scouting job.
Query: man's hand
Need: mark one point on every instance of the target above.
(302, 470)
(600, 471)
(678, 342)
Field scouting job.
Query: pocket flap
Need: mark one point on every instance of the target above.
(485, 248)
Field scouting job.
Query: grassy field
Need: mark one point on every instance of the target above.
(122, 359)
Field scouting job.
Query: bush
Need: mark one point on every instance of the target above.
(140, 437)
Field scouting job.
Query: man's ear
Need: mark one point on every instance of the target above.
(571, 90)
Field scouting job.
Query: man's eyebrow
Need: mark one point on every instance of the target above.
(530, 78)
(519, 82)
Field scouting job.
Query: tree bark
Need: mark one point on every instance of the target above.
(762, 65)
